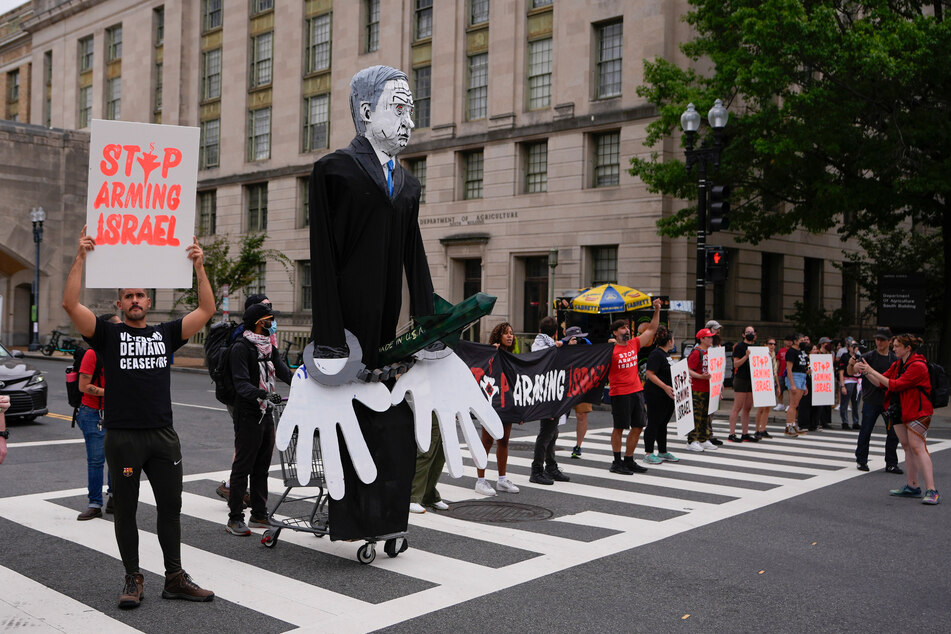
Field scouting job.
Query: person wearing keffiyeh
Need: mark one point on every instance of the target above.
(255, 366)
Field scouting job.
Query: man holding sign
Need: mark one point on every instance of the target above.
(698, 364)
(138, 417)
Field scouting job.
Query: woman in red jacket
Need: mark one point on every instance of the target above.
(908, 407)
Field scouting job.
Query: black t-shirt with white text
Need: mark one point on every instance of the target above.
(137, 361)
(800, 360)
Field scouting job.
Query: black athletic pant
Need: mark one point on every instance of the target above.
(253, 448)
(544, 458)
(158, 453)
(659, 410)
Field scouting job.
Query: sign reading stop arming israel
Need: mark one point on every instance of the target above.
(716, 359)
(822, 379)
(683, 397)
(140, 204)
(761, 371)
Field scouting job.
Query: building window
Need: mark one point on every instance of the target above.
(48, 88)
(303, 200)
(13, 86)
(114, 43)
(210, 15)
(262, 47)
(472, 284)
(607, 161)
(417, 167)
(472, 169)
(257, 285)
(207, 213)
(423, 23)
(539, 74)
(603, 265)
(536, 167)
(257, 207)
(303, 273)
(210, 139)
(114, 98)
(211, 74)
(478, 12)
(316, 122)
(157, 93)
(158, 23)
(535, 292)
(85, 54)
(318, 43)
(260, 6)
(609, 60)
(259, 134)
(850, 292)
(372, 29)
(478, 92)
(771, 287)
(422, 90)
(541, 3)
(812, 283)
(85, 106)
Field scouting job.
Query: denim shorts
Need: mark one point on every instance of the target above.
(799, 378)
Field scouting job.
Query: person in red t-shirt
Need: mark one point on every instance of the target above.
(698, 366)
(89, 418)
(909, 410)
(627, 392)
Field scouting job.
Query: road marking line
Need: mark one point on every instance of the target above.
(45, 443)
(59, 416)
(217, 409)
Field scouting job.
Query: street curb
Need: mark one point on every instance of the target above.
(27, 355)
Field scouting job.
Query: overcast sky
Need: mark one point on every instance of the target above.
(6, 5)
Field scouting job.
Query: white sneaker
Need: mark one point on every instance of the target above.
(835, 409)
(483, 487)
(440, 506)
(706, 444)
(506, 486)
(694, 446)
(416, 508)
(779, 408)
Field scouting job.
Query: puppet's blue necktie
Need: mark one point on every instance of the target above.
(389, 176)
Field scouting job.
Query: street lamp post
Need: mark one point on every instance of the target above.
(700, 156)
(37, 216)
(552, 263)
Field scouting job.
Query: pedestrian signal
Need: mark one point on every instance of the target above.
(719, 211)
(717, 264)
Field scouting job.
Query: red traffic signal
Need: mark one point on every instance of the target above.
(717, 264)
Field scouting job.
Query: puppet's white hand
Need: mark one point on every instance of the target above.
(312, 407)
(445, 387)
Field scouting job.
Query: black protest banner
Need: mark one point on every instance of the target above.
(537, 385)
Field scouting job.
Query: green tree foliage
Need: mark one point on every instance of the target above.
(840, 118)
(237, 272)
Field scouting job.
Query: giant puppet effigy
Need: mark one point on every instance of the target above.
(364, 233)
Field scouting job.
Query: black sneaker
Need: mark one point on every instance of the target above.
(132, 592)
(894, 468)
(540, 477)
(110, 507)
(856, 427)
(845, 426)
(557, 475)
(862, 466)
(748, 438)
(716, 441)
(734, 438)
(620, 467)
(633, 466)
(764, 434)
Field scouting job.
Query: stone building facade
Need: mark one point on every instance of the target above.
(526, 114)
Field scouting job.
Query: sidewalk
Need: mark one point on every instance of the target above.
(182, 363)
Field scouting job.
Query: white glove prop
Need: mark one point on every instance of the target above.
(445, 387)
(312, 406)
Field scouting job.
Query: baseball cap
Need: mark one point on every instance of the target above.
(713, 324)
(704, 332)
(574, 331)
(823, 340)
(883, 333)
(254, 313)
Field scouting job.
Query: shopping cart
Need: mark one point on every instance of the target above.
(309, 513)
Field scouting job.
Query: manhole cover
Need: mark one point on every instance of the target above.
(500, 512)
(521, 446)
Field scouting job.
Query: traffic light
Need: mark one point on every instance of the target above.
(719, 211)
(717, 264)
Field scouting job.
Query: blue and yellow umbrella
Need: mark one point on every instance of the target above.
(610, 298)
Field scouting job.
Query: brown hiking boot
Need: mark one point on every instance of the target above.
(179, 585)
(133, 592)
(91, 513)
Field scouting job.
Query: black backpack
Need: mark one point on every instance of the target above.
(218, 360)
(940, 387)
(73, 396)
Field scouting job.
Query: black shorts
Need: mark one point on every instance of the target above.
(628, 410)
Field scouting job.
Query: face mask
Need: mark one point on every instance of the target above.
(805, 347)
(273, 327)
(749, 336)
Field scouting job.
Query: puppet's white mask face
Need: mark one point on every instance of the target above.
(388, 127)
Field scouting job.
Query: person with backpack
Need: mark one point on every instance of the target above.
(908, 410)
(254, 364)
(89, 418)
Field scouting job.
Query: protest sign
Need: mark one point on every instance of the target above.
(822, 382)
(717, 364)
(761, 370)
(140, 204)
(683, 397)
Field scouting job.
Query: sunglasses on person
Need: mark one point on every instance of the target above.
(770, 343)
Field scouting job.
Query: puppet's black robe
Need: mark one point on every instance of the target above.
(361, 239)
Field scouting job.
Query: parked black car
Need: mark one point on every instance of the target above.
(24, 384)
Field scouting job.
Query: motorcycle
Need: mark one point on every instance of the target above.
(59, 341)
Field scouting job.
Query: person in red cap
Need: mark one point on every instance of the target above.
(698, 365)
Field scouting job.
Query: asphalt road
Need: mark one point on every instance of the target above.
(779, 537)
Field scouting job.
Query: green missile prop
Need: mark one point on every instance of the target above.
(445, 325)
